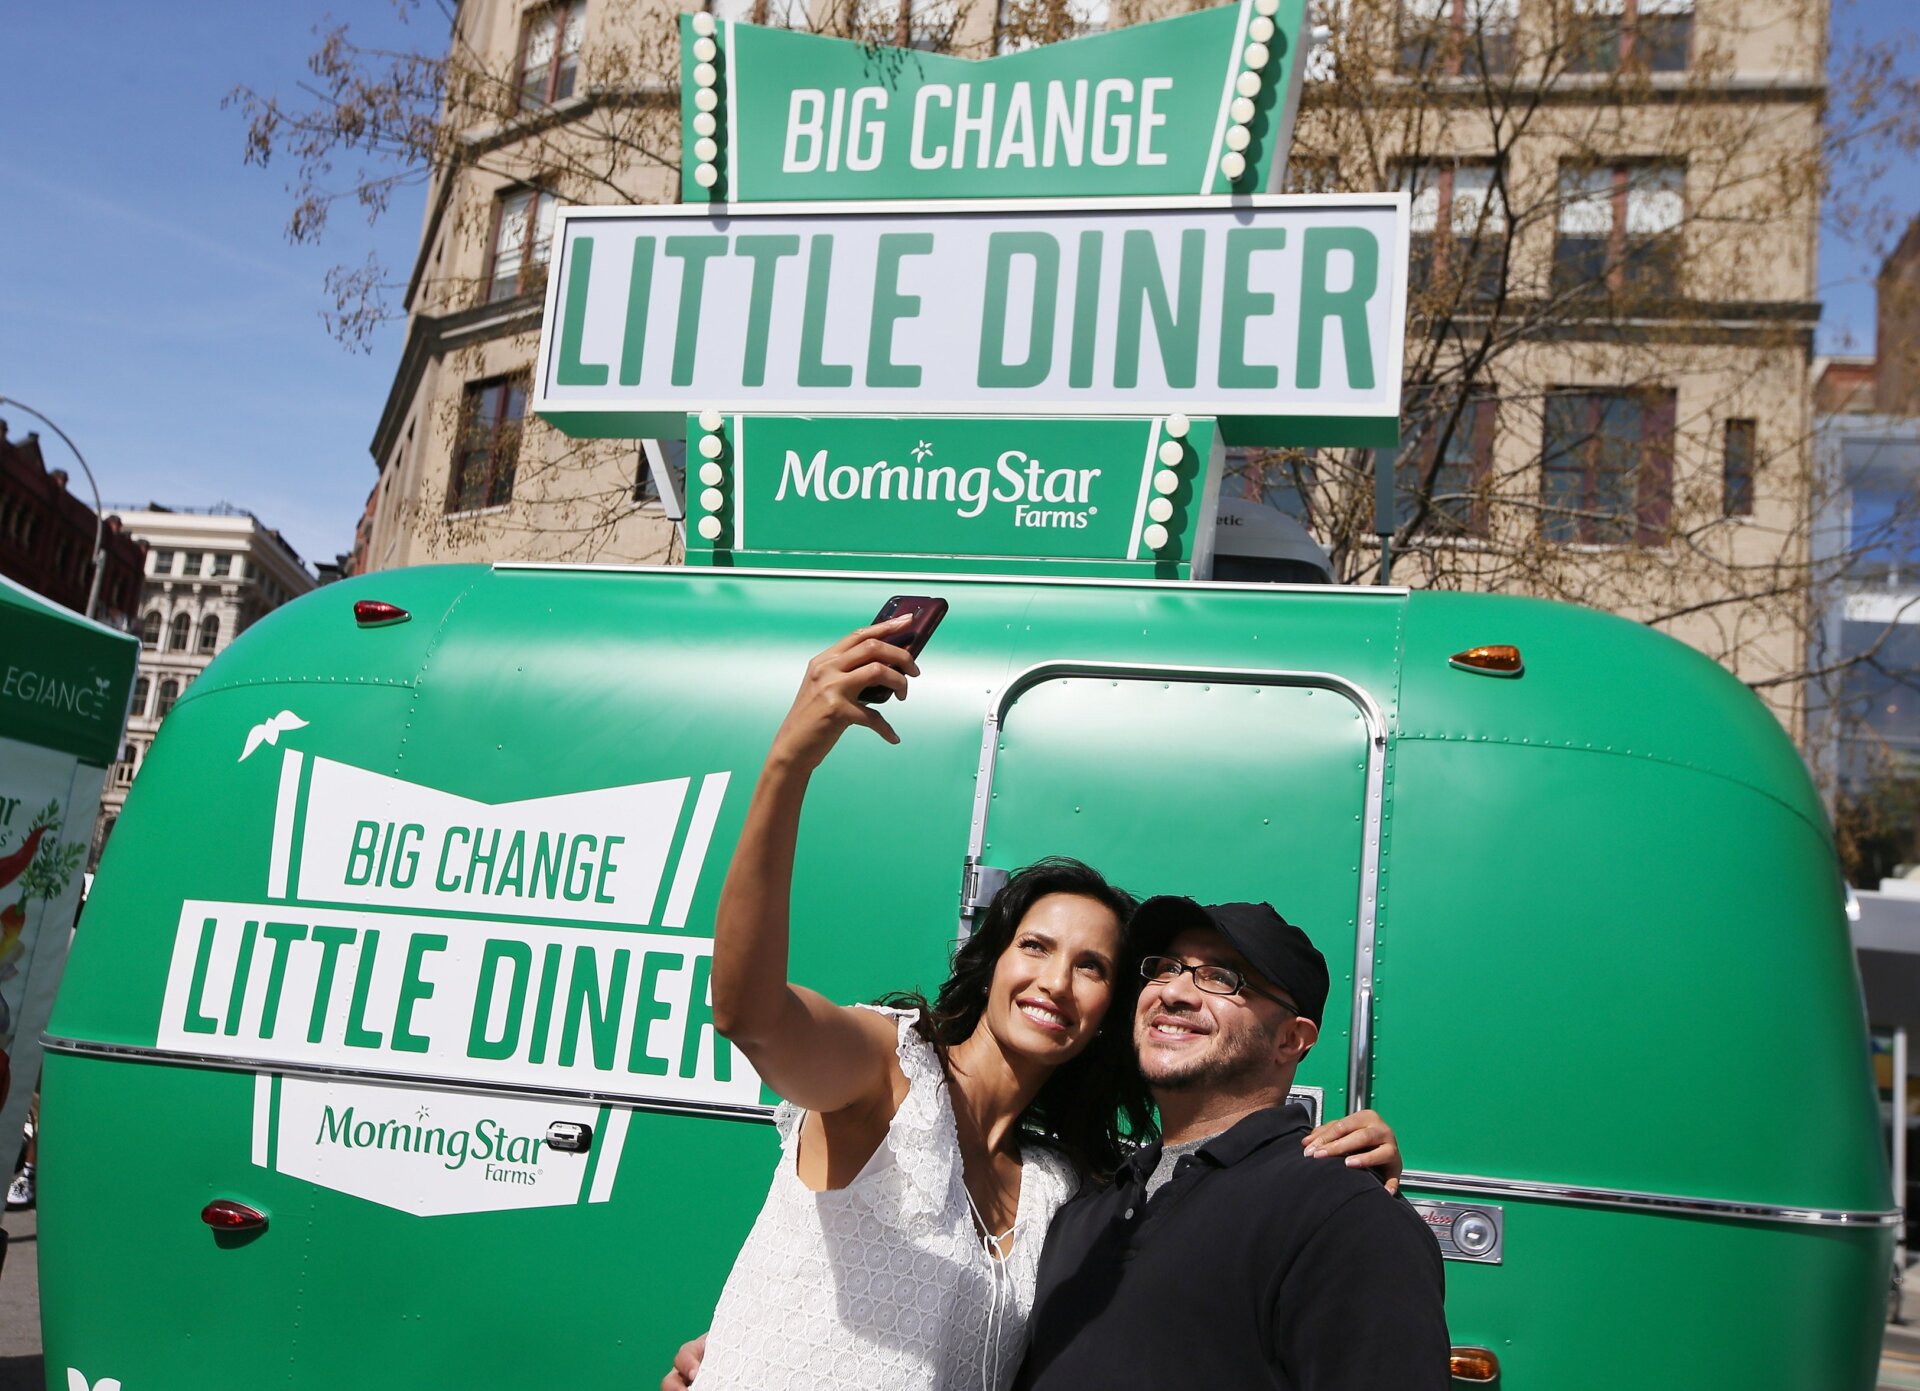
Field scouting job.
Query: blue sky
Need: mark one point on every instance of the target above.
(150, 303)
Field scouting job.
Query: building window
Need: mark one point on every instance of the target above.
(177, 635)
(489, 443)
(1448, 38)
(221, 564)
(1650, 35)
(194, 563)
(209, 632)
(1468, 245)
(1607, 467)
(163, 562)
(150, 628)
(1456, 454)
(140, 690)
(522, 242)
(1620, 230)
(674, 453)
(550, 53)
(169, 693)
(1736, 469)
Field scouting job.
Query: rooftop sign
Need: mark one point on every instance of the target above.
(1122, 495)
(1203, 103)
(1280, 315)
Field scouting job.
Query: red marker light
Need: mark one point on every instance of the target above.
(1495, 659)
(372, 613)
(225, 1215)
(1474, 1364)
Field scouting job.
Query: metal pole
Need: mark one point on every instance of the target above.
(1900, 1154)
(99, 521)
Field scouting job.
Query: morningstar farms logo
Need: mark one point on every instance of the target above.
(433, 1152)
(407, 931)
(1039, 495)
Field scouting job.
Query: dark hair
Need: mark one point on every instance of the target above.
(1096, 1106)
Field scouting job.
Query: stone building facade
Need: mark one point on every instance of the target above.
(211, 573)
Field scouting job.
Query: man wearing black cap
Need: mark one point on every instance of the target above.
(1227, 1257)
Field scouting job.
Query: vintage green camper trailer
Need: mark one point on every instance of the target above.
(401, 944)
(385, 1052)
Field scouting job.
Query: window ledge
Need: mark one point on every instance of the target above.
(473, 512)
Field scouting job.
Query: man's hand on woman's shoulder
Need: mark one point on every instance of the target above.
(686, 1365)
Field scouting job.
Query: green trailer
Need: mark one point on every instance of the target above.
(401, 949)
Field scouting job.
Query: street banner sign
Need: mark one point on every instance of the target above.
(65, 685)
(1202, 103)
(1281, 316)
(1118, 496)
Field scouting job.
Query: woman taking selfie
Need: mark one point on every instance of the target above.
(924, 1148)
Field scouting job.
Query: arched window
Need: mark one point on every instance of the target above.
(177, 639)
(150, 630)
(209, 632)
(169, 692)
(140, 690)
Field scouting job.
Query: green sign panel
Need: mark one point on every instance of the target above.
(1280, 315)
(1203, 103)
(65, 681)
(1116, 495)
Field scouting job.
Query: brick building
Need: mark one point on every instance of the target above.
(47, 538)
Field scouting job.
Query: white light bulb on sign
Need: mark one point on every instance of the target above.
(705, 76)
(1178, 425)
(1166, 481)
(1241, 111)
(706, 151)
(709, 527)
(711, 419)
(706, 50)
(1257, 56)
(1233, 164)
(1261, 30)
(707, 176)
(1247, 85)
(711, 499)
(1171, 454)
(704, 124)
(1238, 137)
(706, 98)
(1155, 536)
(703, 24)
(711, 473)
(710, 446)
(1266, 9)
(1160, 509)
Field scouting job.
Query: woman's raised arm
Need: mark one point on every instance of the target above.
(817, 1054)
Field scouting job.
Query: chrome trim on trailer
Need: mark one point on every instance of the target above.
(716, 1110)
(1360, 1048)
(1671, 1203)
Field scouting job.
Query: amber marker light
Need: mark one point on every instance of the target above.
(372, 613)
(1475, 1364)
(225, 1215)
(1495, 659)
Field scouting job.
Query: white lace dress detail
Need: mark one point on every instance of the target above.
(884, 1285)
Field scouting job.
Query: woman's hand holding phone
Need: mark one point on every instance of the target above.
(829, 698)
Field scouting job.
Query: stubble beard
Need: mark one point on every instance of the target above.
(1231, 1058)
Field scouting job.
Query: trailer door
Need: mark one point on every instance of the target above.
(1222, 785)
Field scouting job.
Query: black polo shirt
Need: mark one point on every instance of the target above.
(1254, 1266)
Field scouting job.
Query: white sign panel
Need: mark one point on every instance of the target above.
(1248, 308)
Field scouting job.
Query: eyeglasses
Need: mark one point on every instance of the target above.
(1215, 980)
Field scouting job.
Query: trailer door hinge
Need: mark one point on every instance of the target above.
(978, 884)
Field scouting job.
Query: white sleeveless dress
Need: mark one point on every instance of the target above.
(886, 1284)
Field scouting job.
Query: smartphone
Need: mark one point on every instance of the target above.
(927, 612)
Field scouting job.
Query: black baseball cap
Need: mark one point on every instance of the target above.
(1271, 945)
